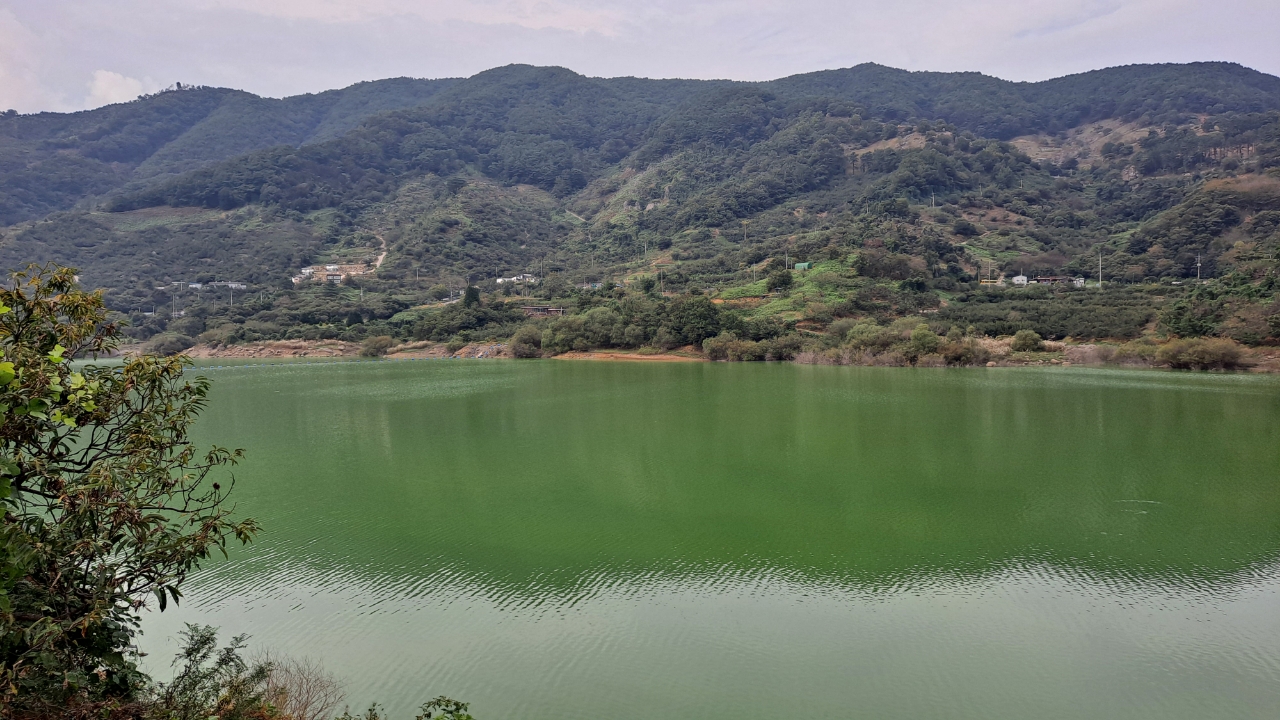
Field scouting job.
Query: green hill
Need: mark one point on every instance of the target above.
(51, 161)
(908, 186)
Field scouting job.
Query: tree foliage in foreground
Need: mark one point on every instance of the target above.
(107, 503)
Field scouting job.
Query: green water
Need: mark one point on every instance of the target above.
(573, 540)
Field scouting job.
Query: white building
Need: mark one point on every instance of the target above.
(1019, 279)
(525, 278)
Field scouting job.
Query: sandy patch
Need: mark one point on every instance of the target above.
(628, 356)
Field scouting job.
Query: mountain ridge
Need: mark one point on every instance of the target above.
(908, 187)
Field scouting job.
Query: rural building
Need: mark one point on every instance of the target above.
(331, 272)
(525, 278)
(542, 311)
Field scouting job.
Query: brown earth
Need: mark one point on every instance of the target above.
(685, 354)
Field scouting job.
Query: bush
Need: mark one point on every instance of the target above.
(1200, 354)
(727, 346)
(212, 682)
(168, 344)
(965, 352)
(455, 344)
(527, 342)
(1135, 352)
(965, 228)
(565, 334)
(300, 689)
(779, 280)
(1027, 341)
(923, 340)
(376, 346)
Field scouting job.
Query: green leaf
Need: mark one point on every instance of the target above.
(55, 355)
(6, 373)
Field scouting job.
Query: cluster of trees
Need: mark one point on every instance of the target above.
(51, 161)
(131, 258)
(1114, 312)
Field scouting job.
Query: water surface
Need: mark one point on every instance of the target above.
(564, 540)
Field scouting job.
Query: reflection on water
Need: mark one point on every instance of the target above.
(594, 540)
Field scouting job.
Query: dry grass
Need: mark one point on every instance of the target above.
(301, 689)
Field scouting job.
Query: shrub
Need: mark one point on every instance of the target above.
(376, 346)
(779, 280)
(1135, 352)
(565, 334)
(1200, 354)
(300, 689)
(869, 336)
(965, 228)
(527, 342)
(455, 344)
(781, 348)
(1027, 341)
(212, 682)
(965, 352)
(727, 346)
(923, 340)
(168, 344)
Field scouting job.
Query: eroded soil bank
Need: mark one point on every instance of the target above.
(1262, 359)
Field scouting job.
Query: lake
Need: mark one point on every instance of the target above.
(555, 540)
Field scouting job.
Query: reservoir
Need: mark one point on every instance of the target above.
(558, 540)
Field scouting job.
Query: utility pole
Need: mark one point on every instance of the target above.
(1099, 268)
(1197, 267)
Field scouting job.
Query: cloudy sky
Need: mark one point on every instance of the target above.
(73, 54)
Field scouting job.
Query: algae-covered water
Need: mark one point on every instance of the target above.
(558, 540)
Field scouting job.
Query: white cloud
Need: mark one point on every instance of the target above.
(109, 87)
(285, 47)
(20, 82)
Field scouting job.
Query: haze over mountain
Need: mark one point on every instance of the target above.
(72, 54)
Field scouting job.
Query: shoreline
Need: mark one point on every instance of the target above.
(1258, 360)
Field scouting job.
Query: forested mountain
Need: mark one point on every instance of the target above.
(907, 186)
(50, 161)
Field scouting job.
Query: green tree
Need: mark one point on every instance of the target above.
(923, 340)
(779, 280)
(376, 346)
(1027, 341)
(107, 503)
(471, 297)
